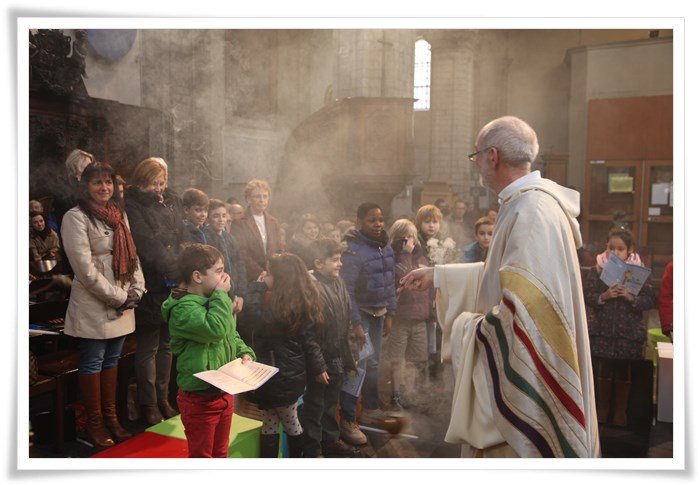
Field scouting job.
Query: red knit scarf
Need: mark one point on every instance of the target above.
(124, 257)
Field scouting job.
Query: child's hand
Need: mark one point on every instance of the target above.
(224, 283)
(360, 335)
(266, 278)
(237, 304)
(323, 379)
(612, 292)
(246, 358)
(409, 245)
(387, 326)
(624, 293)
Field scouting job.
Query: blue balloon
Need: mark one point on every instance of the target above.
(111, 44)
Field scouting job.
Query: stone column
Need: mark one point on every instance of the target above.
(182, 74)
(452, 107)
(374, 63)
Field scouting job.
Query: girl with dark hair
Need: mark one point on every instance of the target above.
(307, 233)
(108, 284)
(617, 330)
(155, 213)
(285, 306)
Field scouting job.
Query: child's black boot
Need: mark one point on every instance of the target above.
(296, 445)
(269, 445)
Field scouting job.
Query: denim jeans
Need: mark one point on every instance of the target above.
(96, 355)
(370, 388)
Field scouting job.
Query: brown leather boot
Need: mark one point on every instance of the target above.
(108, 388)
(90, 391)
(603, 395)
(151, 415)
(622, 393)
(166, 409)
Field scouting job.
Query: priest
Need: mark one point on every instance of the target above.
(514, 326)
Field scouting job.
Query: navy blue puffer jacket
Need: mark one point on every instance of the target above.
(368, 272)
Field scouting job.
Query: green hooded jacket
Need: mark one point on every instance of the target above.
(203, 335)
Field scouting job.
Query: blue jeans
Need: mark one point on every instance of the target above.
(370, 387)
(96, 355)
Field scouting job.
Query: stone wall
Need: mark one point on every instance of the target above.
(480, 75)
(235, 96)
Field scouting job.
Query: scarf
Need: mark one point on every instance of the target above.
(124, 258)
(42, 234)
(633, 258)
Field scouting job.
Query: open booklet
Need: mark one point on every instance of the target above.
(237, 377)
(630, 275)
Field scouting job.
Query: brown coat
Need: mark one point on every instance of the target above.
(94, 298)
(44, 248)
(251, 244)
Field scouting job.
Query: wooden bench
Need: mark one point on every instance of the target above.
(58, 366)
(61, 368)
(46, 384)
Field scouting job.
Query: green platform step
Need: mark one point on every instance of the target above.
(244, 439)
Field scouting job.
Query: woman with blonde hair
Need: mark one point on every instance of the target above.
(66, 198)
(258, 232)
(77, 161)
(155, 213)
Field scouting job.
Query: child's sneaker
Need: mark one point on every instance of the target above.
(338, 448)
(396, 404)
(351, 433)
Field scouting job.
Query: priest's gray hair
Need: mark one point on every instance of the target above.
(514, 139)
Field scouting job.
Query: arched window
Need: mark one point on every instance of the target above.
(421, 76)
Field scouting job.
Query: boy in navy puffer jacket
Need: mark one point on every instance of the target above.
(368, 272)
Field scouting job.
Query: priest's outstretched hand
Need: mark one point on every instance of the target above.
(417, 280)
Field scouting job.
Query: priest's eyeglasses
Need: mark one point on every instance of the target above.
(472, 156)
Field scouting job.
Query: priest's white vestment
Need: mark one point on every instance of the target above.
(515, 330)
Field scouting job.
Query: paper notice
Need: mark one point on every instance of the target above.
(659, 194)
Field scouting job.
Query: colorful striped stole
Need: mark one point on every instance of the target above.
(531, 362)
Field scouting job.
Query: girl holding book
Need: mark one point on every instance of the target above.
(616, 328)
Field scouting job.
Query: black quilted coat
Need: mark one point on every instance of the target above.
(158, 233)
(294, 355)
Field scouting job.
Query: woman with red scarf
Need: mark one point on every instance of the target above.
(107, 286)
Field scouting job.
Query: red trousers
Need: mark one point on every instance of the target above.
(207, 421)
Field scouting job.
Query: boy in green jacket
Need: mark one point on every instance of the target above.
(203, 337)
